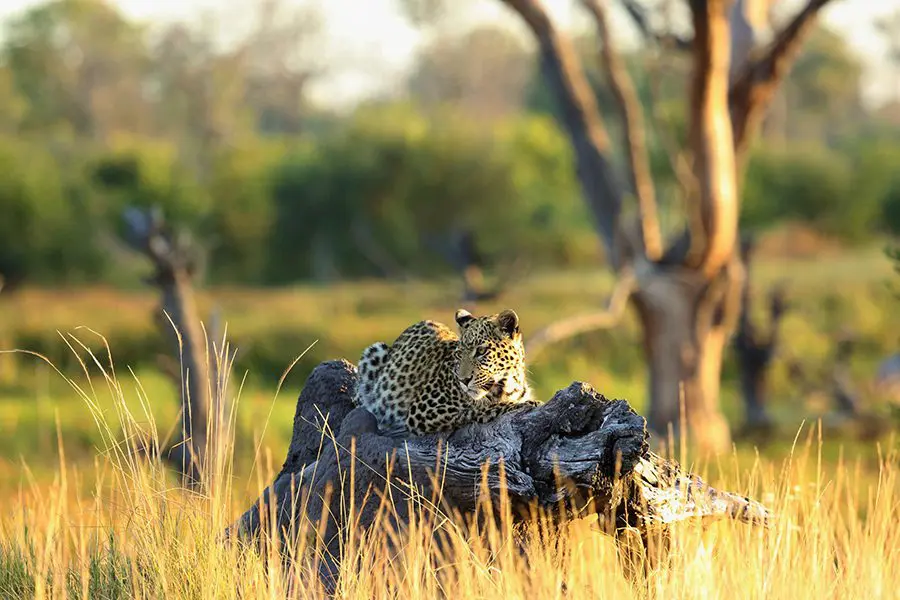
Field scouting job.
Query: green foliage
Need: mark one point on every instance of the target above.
(107, 574)
(241, 214)
(371, 196)
(41, 234)
(169, 121)
(814, 185)
(146, 173)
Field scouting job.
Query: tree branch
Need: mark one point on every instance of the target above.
(716, 210)
(572, 326)
(639, 15)
(587, 132)
(634, 132)
(754, 89)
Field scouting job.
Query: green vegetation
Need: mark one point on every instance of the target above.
(278, 190)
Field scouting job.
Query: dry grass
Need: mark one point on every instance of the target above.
(139, 535)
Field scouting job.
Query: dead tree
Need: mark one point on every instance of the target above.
(460, 250)
(579, 451)
(174, 261)
(686, 293)
(755, 349)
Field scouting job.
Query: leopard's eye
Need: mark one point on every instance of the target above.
(479, 351)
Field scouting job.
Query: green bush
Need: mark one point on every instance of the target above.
(386, 193)
(147, 173)
(45, 232)
(817, 186)
(241, 214)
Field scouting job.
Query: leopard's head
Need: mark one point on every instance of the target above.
(491, 354)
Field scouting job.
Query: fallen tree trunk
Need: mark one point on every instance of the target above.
(577, 450)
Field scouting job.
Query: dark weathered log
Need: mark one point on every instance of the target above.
(577, 450)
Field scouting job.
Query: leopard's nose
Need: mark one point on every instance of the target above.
(465, 380)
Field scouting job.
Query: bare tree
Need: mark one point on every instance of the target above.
(686, 294)
(174, 262)
(459, 249)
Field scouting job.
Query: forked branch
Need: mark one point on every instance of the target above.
(633, 130)
(604, 319)
(752, 92)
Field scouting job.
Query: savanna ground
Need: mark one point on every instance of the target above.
(82, 518)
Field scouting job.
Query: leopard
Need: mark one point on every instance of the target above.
(433, 380)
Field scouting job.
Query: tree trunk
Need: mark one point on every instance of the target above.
(755, 350)
(754, 389)
(577, 450)
(686, 321)
(190, 452)
(174, 260)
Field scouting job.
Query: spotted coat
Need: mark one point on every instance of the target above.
(432, 380)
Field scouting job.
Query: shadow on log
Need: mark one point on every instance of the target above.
(577, 450)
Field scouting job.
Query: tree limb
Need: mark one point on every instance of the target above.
(573, 326)
(587, 131)
(716, 211)
(754, 89)
(634, 132)
(639, 15)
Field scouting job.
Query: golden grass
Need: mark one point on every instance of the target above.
(137, 534)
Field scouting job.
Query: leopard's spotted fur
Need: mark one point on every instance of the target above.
(431, 380)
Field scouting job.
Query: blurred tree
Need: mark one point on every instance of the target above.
(240, 219)
(12, 105)
(147, 173)
(889, 27)
(483, 72)
(207, 97)
(686, 291)
(79, 65)
(41, 237)
(823, 89)
(280, 57)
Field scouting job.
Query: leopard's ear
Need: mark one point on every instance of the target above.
(508, 321)
(463, 317)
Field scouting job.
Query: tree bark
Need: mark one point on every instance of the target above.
(686, 324)
(577, 450)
